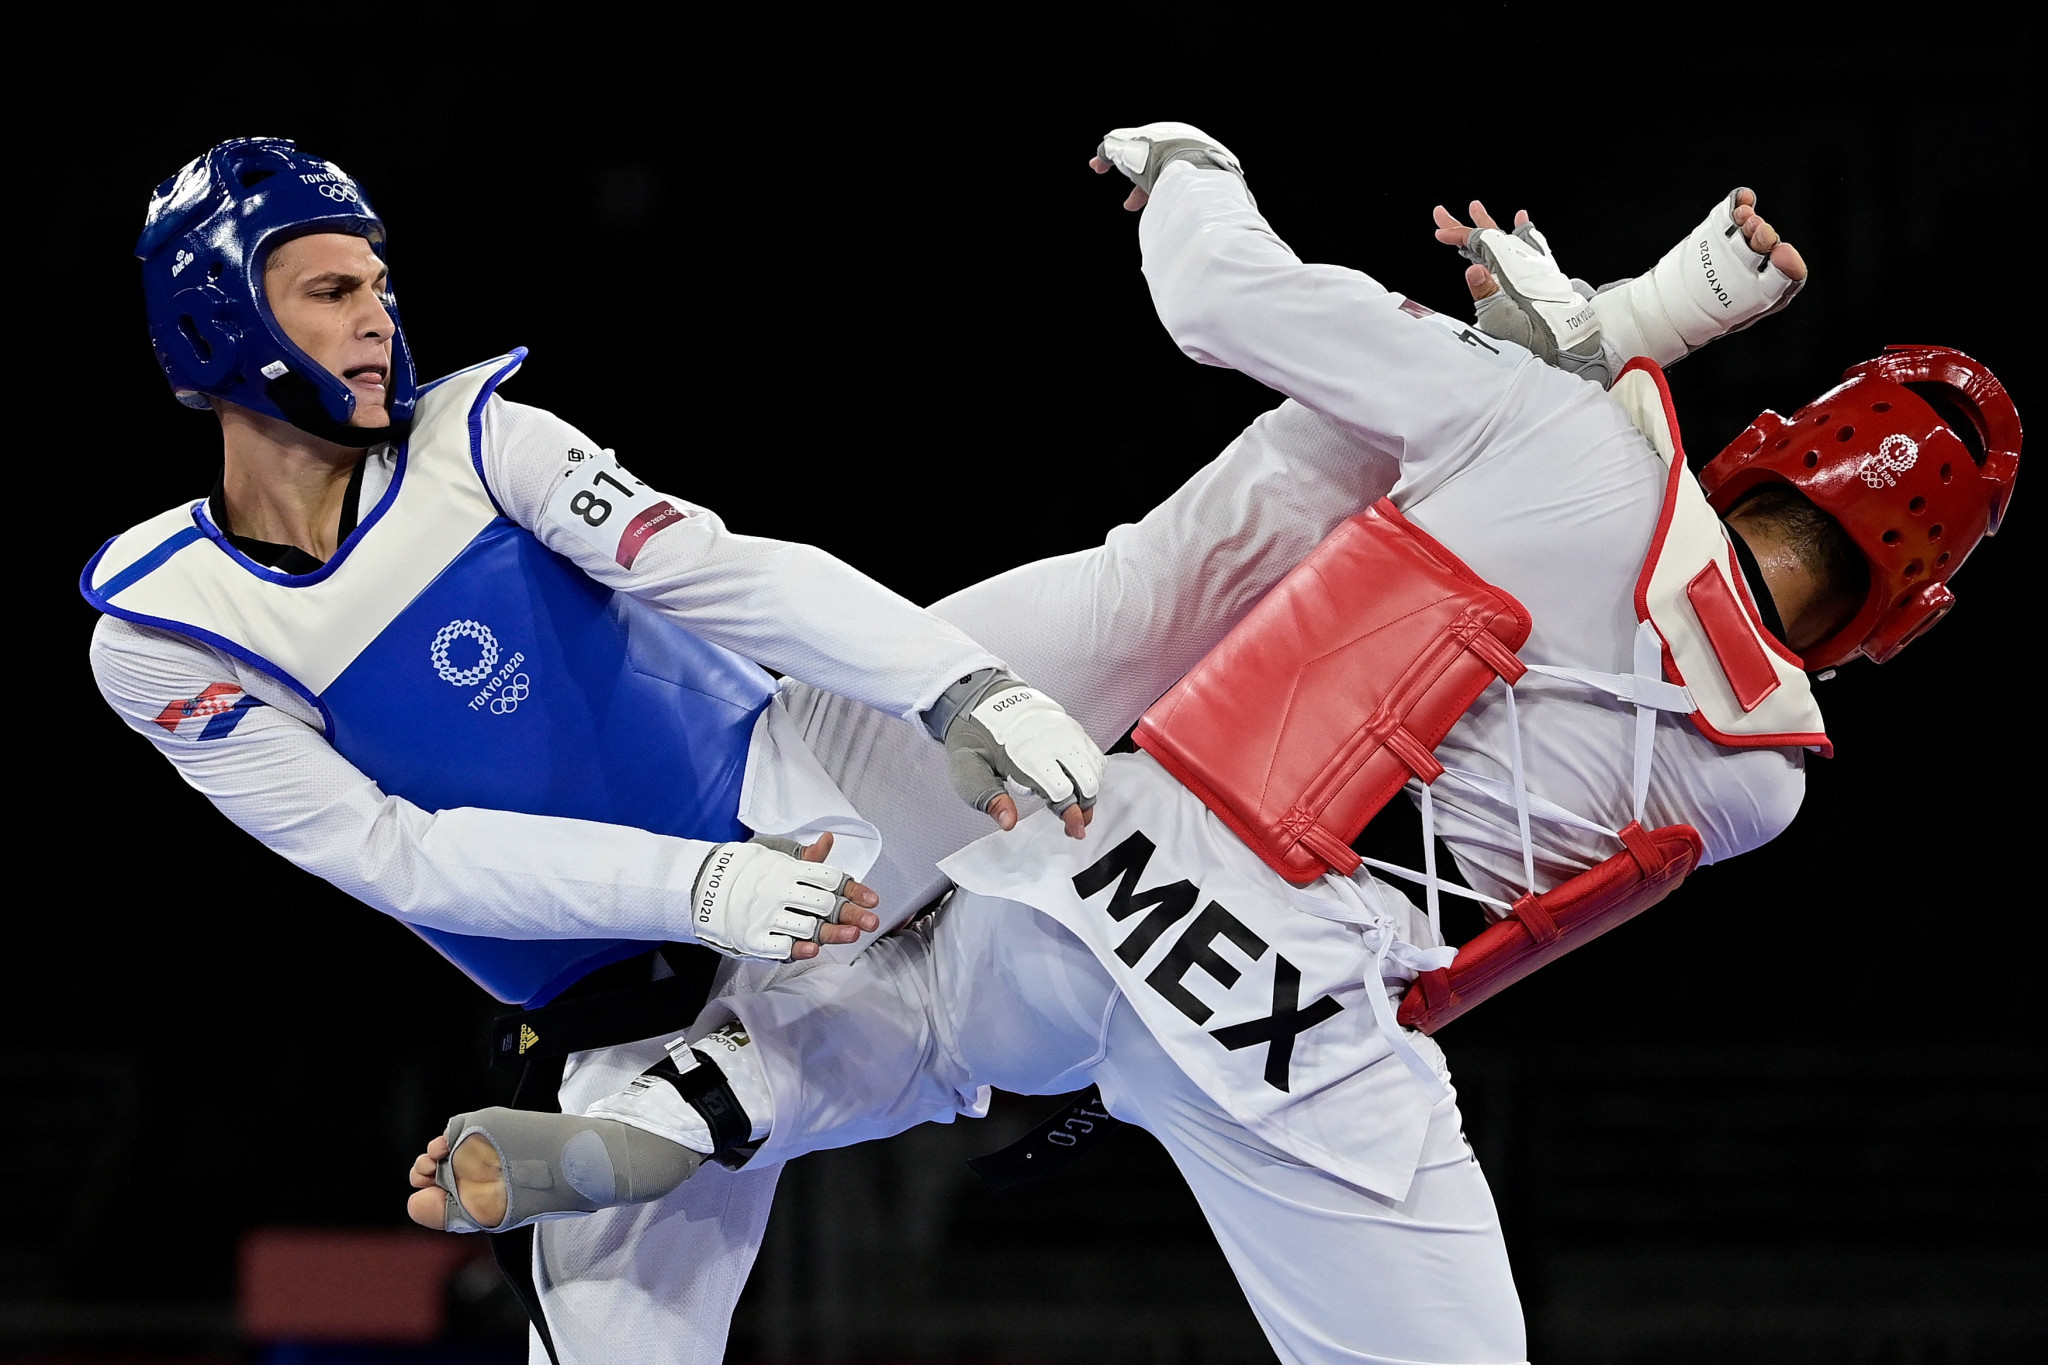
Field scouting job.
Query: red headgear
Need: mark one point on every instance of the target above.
(1879, 459)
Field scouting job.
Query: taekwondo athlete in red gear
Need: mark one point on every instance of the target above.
(1242, 1011)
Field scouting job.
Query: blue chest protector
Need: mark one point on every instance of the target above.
(598, 709)
(459, 662)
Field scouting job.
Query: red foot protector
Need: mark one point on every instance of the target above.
(1540, 929)
(1334, 690)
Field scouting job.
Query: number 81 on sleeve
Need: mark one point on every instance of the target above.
(606, 508)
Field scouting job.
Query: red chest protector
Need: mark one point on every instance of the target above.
(1335, 690)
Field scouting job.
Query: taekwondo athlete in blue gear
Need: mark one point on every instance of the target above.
(444, 650)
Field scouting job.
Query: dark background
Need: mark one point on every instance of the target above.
(852, 283)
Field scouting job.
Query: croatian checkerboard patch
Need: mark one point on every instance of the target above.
(210, 715)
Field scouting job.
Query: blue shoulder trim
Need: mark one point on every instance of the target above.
(136, 572)
(141, 569)
(511, 364)
(517, 353)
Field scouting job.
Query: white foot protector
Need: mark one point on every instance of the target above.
(560, 1165)
(1707, 286)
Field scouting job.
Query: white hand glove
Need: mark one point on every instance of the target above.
(755, 901)
(1707, 286)
(1537, 307)
(1142, 153)
(995, 726)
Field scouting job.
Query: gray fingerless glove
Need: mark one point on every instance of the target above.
(995, 726)
(1537, 307)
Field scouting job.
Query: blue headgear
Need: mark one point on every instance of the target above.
(209, 230)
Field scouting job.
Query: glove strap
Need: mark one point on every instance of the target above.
(961, 696)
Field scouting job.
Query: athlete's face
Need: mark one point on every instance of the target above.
(327, 293)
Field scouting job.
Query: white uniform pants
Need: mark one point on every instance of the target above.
(997, 994)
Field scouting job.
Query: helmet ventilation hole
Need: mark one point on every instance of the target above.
(1904, 598)
(1783, 441)
(1880, 407)
(1941, 559)
(1846, 434)
(1891, 537)
(1948, 471)
(1934, 531)
(214, 271)
(255, 176)
(199, 343)
(1917, 506)
(1913, 569)
(1821, 420)
(1812, 458)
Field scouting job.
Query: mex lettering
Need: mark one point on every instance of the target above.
(1164, 907)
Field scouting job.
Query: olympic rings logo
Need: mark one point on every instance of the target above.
(464, 630)
(345, 193)
(1895, 455)
(507, 701)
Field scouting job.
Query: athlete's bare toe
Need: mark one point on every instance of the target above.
(422, 1173)
(428, 1208)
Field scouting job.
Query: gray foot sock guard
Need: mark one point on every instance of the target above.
(557, 1164)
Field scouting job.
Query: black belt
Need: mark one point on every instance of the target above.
(604, 1010)
(613, 1005)
(1057, 1143)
